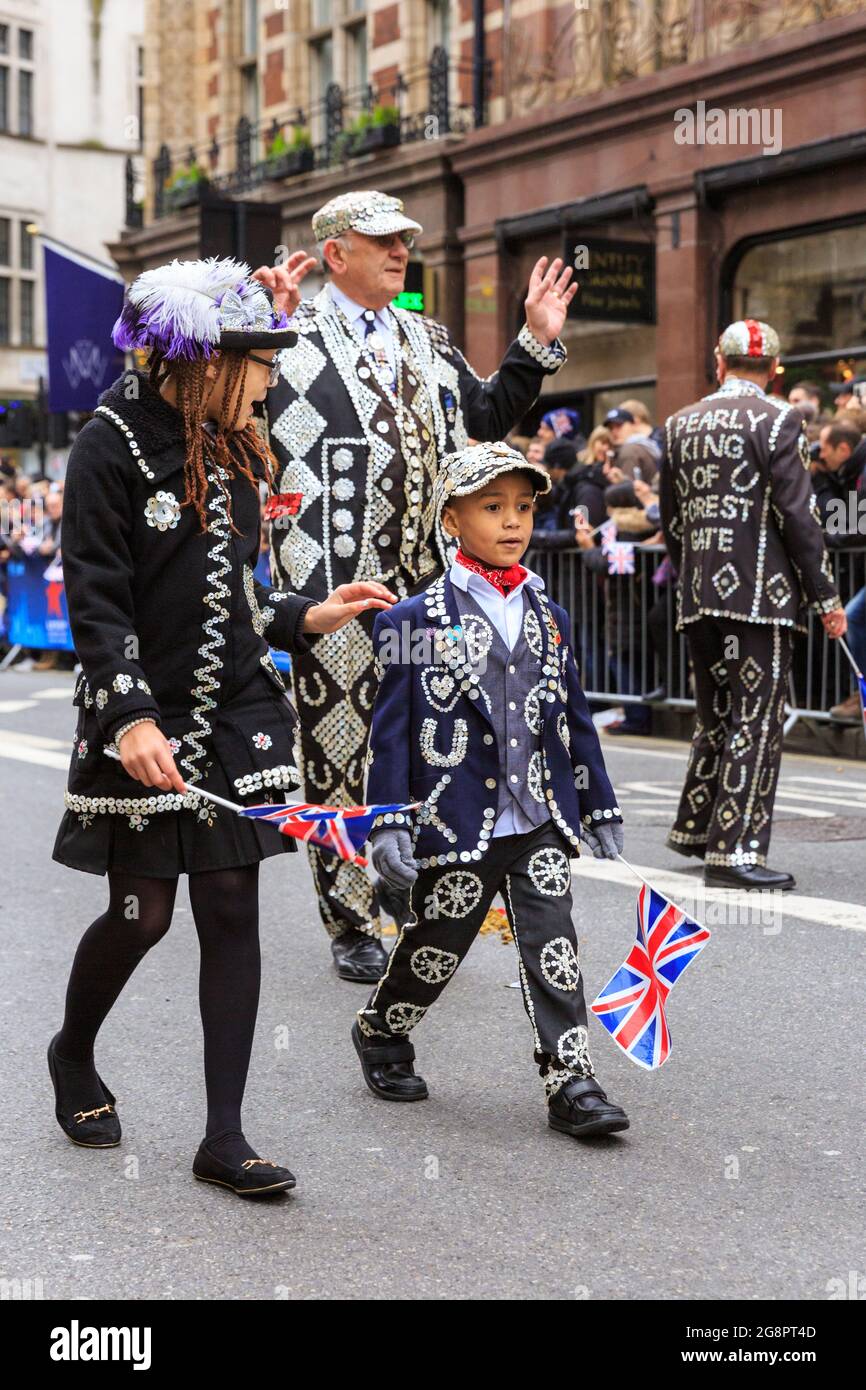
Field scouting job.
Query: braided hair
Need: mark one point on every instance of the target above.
(230, 449)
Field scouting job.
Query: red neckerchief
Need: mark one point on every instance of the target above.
(502, 577)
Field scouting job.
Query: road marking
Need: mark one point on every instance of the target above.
(55, 692)
(653, 789)
(824, 911)
(824, 781)
(14, 706)
(16, 737)
(646, 752)
(32, 748)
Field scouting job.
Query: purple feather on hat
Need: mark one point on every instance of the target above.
(178, 308)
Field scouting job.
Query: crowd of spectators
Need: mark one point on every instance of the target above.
(31, 518)
(604, 504)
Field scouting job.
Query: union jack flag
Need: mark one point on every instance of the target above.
(341, 829)
(861, 681)
(620, 557)
(632, 1004)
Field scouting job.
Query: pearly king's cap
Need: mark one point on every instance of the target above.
(472, 468)
(749, 338)
(365, 211)
(190, 309)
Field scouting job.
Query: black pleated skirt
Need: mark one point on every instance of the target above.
(165, 844)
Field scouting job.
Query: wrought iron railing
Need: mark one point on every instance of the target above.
(346, 124)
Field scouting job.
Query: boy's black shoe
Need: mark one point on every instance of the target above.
(387, 1067)
(581, 1107)
(249, 1179)
(95, 1128)
(359, 957)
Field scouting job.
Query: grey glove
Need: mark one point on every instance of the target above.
(392, 857)
(605, 840)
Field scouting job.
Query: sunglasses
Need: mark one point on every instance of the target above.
(385, 240)
(272, 366)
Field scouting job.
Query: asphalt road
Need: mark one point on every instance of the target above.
(740, 1177)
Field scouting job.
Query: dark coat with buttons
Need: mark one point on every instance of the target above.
(168, 621)
(457, 772)
(361, 461)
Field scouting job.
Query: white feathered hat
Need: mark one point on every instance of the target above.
(190, 309)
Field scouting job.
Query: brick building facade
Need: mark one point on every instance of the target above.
(577, 145)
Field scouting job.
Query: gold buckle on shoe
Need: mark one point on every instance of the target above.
(248, 1162)
(92, 1114)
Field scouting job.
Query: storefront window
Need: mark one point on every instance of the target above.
(812, 289)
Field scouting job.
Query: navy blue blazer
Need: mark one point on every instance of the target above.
(432, 739)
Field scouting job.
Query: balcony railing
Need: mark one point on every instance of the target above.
(346, 124)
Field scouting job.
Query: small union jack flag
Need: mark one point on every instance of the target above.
(861, 681)
(632, 1004)
(607, 534)
(620, 557)
(343, 830)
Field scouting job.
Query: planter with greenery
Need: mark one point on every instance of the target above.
(284, 158)
(376, 130)
(184, 187)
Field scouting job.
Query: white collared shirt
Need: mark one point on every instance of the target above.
(506, 614)
(384, 324)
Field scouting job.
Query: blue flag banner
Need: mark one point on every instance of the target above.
(36, 614)
(82, 303)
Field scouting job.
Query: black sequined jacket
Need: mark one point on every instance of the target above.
(168, 621)
(738, 511)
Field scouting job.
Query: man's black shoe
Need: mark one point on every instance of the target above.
(387, 1067)
(690, 851)
(746, 876)
(580, 1107)
(359, 957)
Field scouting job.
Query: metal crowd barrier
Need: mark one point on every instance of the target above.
(629, 651)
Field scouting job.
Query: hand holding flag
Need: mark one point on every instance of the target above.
(341, 829)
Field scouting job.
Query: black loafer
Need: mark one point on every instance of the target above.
(359, 957)
(387, 1067)
(581, 1107)
(747, 876)
(98, 1128)
(252, 1178)
(690, 851)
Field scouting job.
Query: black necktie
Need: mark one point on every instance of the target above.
(369, 317)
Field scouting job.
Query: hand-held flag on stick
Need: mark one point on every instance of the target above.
(341, 829)
(632, 1004)
(861, 679)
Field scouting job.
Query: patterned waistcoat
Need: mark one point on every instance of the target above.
(511, 683)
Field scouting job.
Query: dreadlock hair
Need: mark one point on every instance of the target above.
(229, 449)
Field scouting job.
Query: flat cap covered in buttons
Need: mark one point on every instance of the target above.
(364, 211)
(472, 468)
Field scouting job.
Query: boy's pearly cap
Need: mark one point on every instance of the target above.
(189, 309)
(472, 468)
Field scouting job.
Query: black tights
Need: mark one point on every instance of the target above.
(226, 913)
